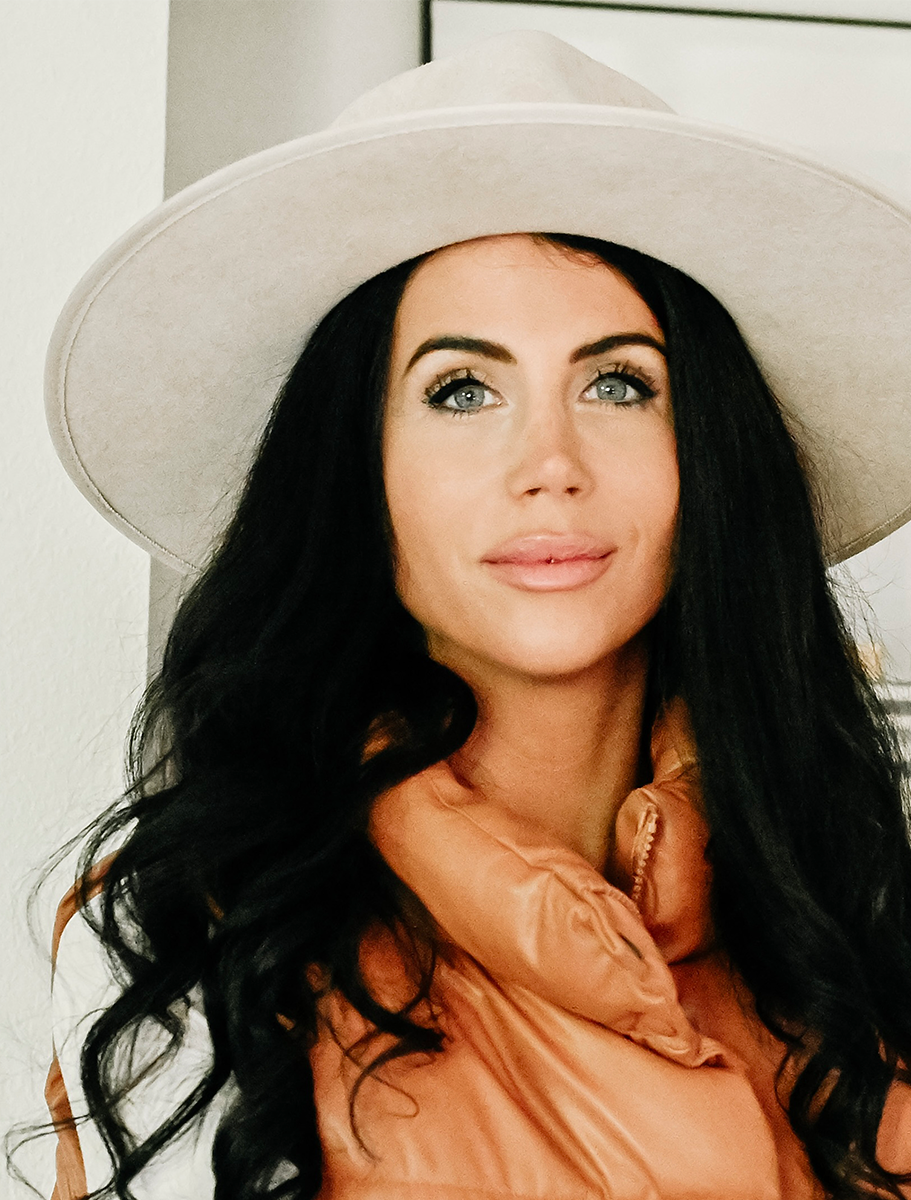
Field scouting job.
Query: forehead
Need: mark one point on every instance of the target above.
(517, 280)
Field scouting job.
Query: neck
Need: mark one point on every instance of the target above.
(561, 752)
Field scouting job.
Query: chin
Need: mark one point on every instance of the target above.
(544, 647)
(551, 659)
(554, 667)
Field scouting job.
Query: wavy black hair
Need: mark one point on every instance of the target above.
(245, 859)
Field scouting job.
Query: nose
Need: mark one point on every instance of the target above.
(548, 456)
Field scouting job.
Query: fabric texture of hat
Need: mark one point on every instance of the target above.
(167, 357)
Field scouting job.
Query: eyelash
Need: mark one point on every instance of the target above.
(443, 387)
(634, 376)
(446, 385)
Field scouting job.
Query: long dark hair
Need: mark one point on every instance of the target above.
(244, 856)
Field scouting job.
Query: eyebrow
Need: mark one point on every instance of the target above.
(501, 354)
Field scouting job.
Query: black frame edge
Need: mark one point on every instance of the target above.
(426, 31)
(678, 10)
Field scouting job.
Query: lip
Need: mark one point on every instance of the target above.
(549, 562)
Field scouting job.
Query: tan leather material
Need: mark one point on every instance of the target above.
(530, 1100)
(894, 1143)
(70, 1184)
(72, 902)
(559, 930)
(660, 839)
(591, 1049)
(71, 1179)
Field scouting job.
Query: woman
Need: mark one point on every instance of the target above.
(511, 800)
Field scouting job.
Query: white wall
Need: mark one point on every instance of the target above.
(82, 97)
(85, 89)
(247, 74)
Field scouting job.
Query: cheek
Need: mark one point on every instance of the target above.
(644, 494)
(424, 509)
(663, 504)
(644, 481)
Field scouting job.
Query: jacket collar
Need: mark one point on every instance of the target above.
(537, 915)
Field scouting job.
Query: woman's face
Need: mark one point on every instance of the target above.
(529, 457)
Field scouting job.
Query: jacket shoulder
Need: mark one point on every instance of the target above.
(83, 987)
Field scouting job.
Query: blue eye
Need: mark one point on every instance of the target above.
(620, 389)
(463, 395)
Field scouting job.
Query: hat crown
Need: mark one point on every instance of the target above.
(523, 67)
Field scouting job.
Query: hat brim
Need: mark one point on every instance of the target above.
(167, 358)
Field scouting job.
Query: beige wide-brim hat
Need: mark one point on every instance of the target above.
(169, 353)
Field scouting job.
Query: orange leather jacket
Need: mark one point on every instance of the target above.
(597, 1046)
